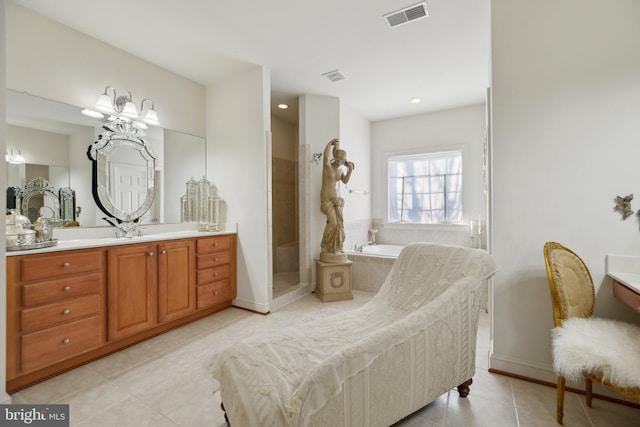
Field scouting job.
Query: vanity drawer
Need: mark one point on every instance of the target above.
(54, 290)
(214, 293)
(626, 295)
(213, 260)
(52, 266)
(53, 345)
(59, 312)
(213, 274)
(213, 244)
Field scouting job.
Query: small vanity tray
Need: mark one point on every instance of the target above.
(38, 245)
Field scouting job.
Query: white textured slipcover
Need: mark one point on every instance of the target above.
(370, 366)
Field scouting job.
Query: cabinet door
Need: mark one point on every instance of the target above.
(132, 293)
(176, 279)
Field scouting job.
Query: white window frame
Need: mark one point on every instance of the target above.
(426, 151)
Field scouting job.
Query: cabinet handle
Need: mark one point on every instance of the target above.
(66, 265)
(66, 311)
(66, 341)
(150, 253)
(163, 252)
(67, 288)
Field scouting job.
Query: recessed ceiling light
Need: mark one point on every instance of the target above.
(283, 106)
(415, 100)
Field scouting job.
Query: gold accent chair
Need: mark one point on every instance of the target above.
(573, 296)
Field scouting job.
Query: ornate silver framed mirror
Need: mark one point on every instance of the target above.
(39, 199)
(123, 172)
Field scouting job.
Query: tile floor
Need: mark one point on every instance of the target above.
(164, 382)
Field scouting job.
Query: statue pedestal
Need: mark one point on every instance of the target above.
(333, 281)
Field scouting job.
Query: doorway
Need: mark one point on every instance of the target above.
(284, 198)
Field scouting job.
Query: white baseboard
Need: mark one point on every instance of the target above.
(524, 368)
(251, 305)
(289, 297)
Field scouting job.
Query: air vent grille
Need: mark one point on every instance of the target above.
(334, 76)
(408, 14)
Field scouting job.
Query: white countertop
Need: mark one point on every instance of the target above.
(81, 242)
(625, 269)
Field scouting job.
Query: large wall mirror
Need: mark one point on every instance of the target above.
(53, 138)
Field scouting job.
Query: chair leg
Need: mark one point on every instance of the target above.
(587, 391)
(560, 400)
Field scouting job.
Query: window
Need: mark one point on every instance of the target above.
(425, 188)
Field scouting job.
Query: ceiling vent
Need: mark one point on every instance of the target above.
(334, 76)
(408, 14)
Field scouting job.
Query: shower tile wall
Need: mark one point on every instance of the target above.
(285, 203)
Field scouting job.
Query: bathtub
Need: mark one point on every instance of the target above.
(372, 266)
(382, 250)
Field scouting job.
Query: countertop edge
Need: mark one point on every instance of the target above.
(69, 245)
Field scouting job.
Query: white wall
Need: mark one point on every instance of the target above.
(4, 397)
(74, 68)
(463, 128)
(237, 155)
(566, 133)
(355, 138)
(319, 124)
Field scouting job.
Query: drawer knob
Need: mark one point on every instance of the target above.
(67, 289)
(66, 265)
(215, 293)
(215, 244)
(66, 341)
(216, 274)
(163, 252)
(150, 253)
(66, 311)
(215, 259)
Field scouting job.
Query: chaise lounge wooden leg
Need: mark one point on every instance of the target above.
(463, 389)
(225, 413)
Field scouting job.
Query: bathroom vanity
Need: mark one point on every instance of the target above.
(625, 274)
(83, 299)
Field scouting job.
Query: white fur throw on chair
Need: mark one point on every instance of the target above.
(594, 344)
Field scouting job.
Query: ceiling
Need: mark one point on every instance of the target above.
(442, 59)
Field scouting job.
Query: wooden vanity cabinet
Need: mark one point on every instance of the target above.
(68, 308)
(131, 289)
(55, 309)
(216, 270)
(176, 279)
(149, 284)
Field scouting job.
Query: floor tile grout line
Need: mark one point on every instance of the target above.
(583, 406)
(515, 404)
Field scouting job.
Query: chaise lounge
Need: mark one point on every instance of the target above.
(371, 366)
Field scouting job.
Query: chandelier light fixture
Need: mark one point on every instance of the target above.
(124, 108)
